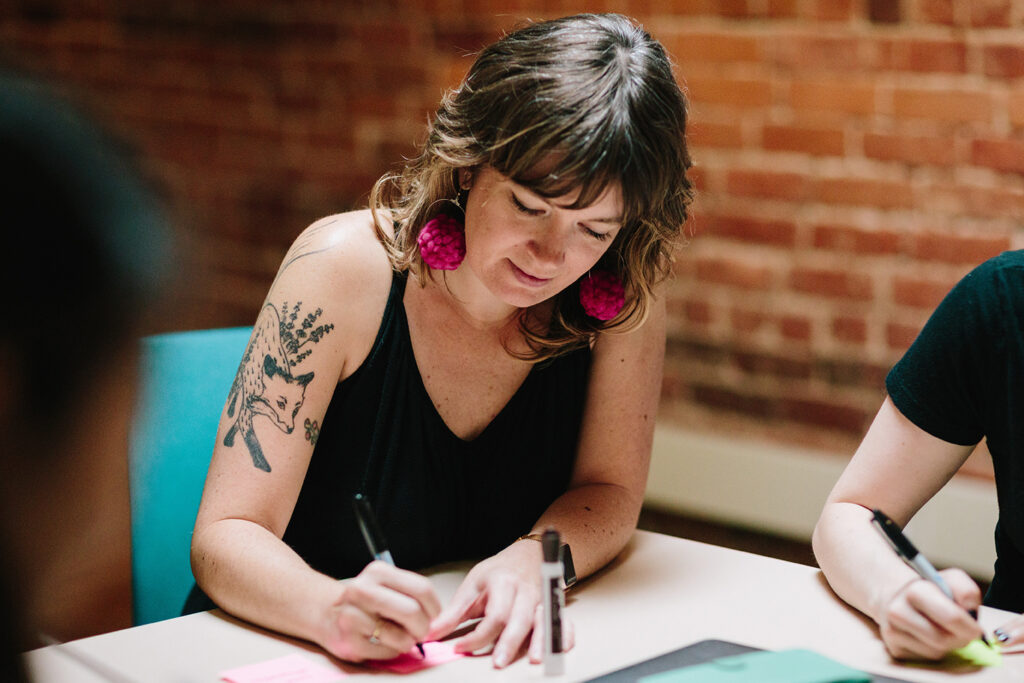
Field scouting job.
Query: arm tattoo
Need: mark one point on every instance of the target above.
(265, 384)
(303, 247)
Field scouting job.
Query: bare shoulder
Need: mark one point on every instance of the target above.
(344, 241)
(643, 340)
(337, 265)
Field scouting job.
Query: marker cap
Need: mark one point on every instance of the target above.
(550, 543)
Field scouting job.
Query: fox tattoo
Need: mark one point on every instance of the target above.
(264, 384)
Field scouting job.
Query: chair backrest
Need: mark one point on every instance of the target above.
(185, 378)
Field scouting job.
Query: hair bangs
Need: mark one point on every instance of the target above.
(587, 153)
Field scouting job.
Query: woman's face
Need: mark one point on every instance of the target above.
(526, 248)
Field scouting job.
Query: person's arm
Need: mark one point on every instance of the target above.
(596, 516)
(318, 320)
(599, 512)
(897, 469)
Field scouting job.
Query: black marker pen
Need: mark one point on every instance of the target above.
(551, 584)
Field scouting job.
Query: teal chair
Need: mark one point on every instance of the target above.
(184, 381)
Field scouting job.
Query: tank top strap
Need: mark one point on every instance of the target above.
(386, 353)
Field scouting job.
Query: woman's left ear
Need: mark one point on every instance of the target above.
(465, 178)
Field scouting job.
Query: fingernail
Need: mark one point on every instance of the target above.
(500, 660)
(1000, 635)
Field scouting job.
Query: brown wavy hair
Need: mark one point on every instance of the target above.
(594, 92)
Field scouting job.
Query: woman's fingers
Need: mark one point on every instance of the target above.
(1011, 634)
(949, 620)
(382, 612)
(387, 639)
(359, 635)
(536, 651)
(517, 626)
(503, 592)
(922, 622)
(965, 591)
(400, 596)
(464, 605)
(903, 644)
(408, 583)
(497, 599)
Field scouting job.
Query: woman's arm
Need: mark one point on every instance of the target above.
(599, 512)
(596, 516)
(318, 321)
(897, 469)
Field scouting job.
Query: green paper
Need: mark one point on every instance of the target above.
(785, 666)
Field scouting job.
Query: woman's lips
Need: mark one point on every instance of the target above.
(528, 279)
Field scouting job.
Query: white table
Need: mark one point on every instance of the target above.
(662, 593)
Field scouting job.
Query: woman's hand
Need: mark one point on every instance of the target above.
(1011, 634)
(920, 622)
(382, 612)
(505, 591)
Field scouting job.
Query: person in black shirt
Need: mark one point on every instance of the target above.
(961, 381)
(478, 353)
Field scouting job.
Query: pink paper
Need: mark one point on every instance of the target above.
(437, 653)
(289, 669)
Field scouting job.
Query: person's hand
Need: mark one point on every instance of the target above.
(1011, 634)
(382, 612)
(920, 622)
(505, 591)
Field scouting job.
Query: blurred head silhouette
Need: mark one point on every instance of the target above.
(85, 252)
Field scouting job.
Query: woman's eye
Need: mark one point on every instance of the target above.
(602, 236)
(523, 208)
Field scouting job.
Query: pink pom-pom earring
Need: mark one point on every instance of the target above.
(602, 294)
(442, 241)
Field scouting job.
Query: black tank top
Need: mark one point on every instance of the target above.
(437, 497)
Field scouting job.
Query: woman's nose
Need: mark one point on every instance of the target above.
(549, 246)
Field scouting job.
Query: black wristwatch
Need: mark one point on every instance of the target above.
(568, 568)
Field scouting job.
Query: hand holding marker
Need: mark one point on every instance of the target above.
(374, 537)
(906, 550)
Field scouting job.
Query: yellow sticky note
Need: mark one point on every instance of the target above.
(973, 655)
(976, 653)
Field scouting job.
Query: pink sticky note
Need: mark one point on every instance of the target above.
(437, 653)
(289, 669)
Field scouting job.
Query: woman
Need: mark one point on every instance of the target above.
(958, 383)
(479, 354)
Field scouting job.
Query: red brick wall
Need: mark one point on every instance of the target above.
(854, 159)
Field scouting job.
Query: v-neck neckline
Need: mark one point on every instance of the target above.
(422, 387)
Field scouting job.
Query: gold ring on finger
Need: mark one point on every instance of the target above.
(374, 638)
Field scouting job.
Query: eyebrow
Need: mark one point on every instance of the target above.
(614, 220)
(617, 220)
